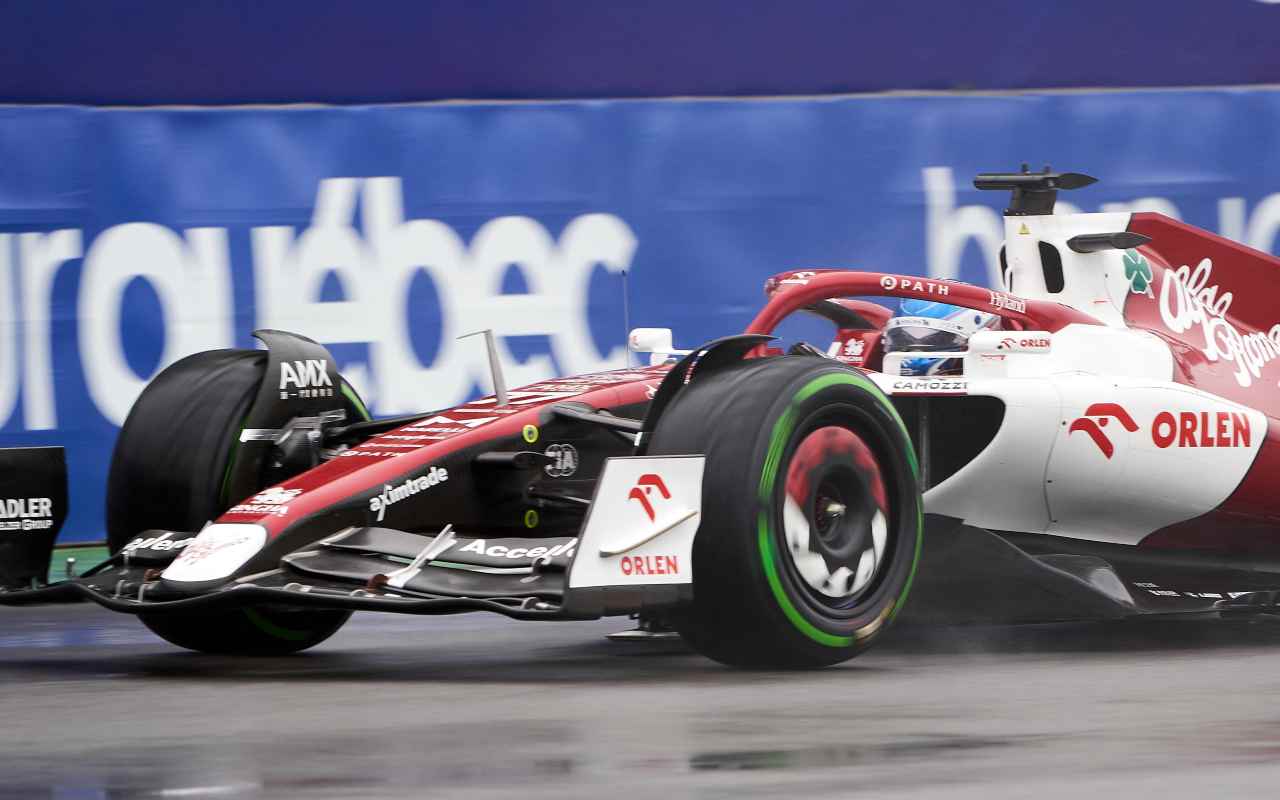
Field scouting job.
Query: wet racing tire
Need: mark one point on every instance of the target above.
(812, 518)
(169, 471)
(250, 631)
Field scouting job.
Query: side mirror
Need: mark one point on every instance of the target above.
(650, 340)
(655, 341)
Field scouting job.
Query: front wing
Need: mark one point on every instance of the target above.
(633, 553)
(965, 574)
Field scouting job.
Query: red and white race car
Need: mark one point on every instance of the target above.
(1106, 450)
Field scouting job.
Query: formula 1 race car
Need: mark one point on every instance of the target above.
(1102, 449)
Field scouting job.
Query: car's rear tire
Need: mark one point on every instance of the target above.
(811, 520)
(169, 471)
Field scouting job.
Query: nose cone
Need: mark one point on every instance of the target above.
(215, 555)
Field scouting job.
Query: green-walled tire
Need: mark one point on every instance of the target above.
(812, 517)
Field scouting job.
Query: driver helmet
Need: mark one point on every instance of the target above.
(925, 326)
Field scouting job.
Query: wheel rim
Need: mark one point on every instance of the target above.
(835, 517)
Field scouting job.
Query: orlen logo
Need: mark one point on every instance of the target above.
(650, 565)
(1169, 429)
(643, 490)
(1095, 419)
(1025, 343)
(1201, 429)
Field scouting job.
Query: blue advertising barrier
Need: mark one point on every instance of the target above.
(129, 238)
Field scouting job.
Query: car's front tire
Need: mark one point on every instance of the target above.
(811, 520)
(169, 472)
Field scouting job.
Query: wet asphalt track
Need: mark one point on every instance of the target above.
(479, 707)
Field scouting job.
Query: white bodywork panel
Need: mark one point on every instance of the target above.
(1003, 487)
(1081, 349)
(640, 528)
(1094, 282)
(1153, 476)
(1037, 475)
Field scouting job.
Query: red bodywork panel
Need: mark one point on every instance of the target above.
(1224, 304)
(1247, 522)
(389, 457)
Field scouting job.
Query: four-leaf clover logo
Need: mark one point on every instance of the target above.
(1138, 271)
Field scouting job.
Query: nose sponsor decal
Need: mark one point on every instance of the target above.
(274, 500)
(390, 495)
(217, 552)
